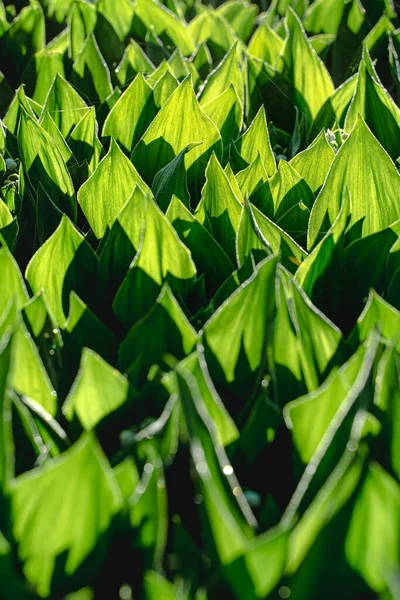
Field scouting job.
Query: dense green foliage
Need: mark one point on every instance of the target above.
(199, 300)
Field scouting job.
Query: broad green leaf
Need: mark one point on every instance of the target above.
(247, 574)
(64, 105)
(104, 194)
(163, 140)
(293, 201)
(148, 511)
(131, 114)
(207, 254)
(256, 141)
(85, 144)
(121, 19)
(19, 103)
(175, 336)
(235, 336)
(6, 444)
(247, 240)
(51, 128)
(320, 407)
(318, 338)
(163, 89)
(380, 315)
(252, 177)
(229, 529)
(241, 16)
(74, 269)
(162, 257)
(266, 44)
(324, 16)
(373, 103)
(373, 551)
(303, 67)
(333, 111)
(172, 180)
(372, 175)
(43, 163)
(43, 531)
(318, 153)
(90, 73)
(122, 244)
(83, 329)
(227, 73)
(226, 112)
(82, 21)
(133, 62)
(157, 16)
(214, 29)
(13, 287)
(23, 38)
(27, 373)
(221, 206)
(98, 391)
(279, 240)
(40, 73)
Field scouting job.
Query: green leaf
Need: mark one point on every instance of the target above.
(235, 336)
(318, 339)
(293, 201)
(256, 141)
(241, 16)
(157, 16)
(333, 111)
(207, 254)
(90, 502)
(278, 240)
(373, 551)
(221, 207)
(320, 407)
(266, 44)
(172, 180)
(134, 61)
(302, 66)
(227, 73)
(6, 444)
(226, 112)
(121, 19)
(90, 73)
(104, 194)
(64, 105)
(131, 114)
(247, 240)
(85, 145)
(40, 72)
(373, 103)
(82, 21)
(13, 287)
(319, 152)
(84, 329)
(98, 391)
(252, 177)
(366, 184)
(175, 336)
(51, 128)
(162, 257)
(163, 140)
(247, 575)
(229, 534)
(27, 374)
(74, 269)
(43, 163)
(122, 244)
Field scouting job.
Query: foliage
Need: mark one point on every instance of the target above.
(199, 299)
